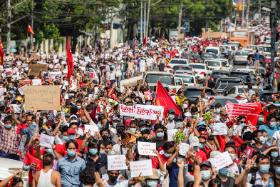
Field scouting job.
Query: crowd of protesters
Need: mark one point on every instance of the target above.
(92, 97)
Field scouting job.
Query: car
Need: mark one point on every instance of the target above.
(188, 80)
(219, 73)
(199, 70)
(177, 61)
(223, 100)
(214, 50)
(183, 69)
(206, 56)
(223, 83)
(241, 58)
(247, 77)
(166, 79)
(238, 92)
(217, 64)
(194, 93)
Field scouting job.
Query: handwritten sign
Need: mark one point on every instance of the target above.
(219, 129)
(221, 160)
(116, 162)
(183, 148)
(92, 129)
(149, 112)
(46, 141)
(42, 97)
(141, 168)
(146, 148)
(170, 134)
(35, 69)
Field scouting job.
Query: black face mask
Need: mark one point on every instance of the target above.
(113, 178)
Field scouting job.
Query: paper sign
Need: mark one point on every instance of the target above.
(42, 97)
(141, 168)
(35, 69)
(46, 141)
(53, 75)
(219, 129)
(116, 162)
(149, 112)
(170, 134)
(183, 148)
(221, 160)
(92, 129)
(2, 91)
(146, 148)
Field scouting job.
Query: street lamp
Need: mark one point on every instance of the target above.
(273, 24)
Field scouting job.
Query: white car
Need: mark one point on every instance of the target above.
(177, 61)
(183, 69)
(199, 70)
(215, 50)
(217, 64)
(188, 80)
(239, 93)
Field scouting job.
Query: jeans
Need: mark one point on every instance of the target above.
(10, 156)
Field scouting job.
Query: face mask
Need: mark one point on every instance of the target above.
(201, 145)
(273, 124)
(263, 139)
(264, 168)
(152, 183)
(45, 121)
(218, 110)
(274, 154)
(49, 151)
(232, 156)
(277, 170)
(72, 137)
(80, 132)
(243, 124)
(25, 168)
(113, 178)
(8, 126)
(167, 155)
(93, 151)
(179, 125)
(224, 172)
(205, 175)
(160, 134)
(132, 129)
(115, 125)
(102, 152)
(71, 153)
(171, 117)
(185, 105)
(65, 138)
(261, 119)
(78, 107)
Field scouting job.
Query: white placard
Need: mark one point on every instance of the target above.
(141, 168)
(2, 91)
(46, 141)
(219, 129)
(92, 129)
(170, 134)
(116, 162)
(149, 112)
(183, 148)
(221, 160)
(146, 148)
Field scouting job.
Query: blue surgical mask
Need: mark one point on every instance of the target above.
(232, 156)
(102, 152)
(264, 168)
(71, 153)
(243, 124)
(171, 116)
(205, 175)
(160, 134)
(93, 151)
(152, 183)
(8, 126)
(263, 139)
(277, 170)
(274, 154)
(273, 124)
(49, 151)
(224, 172)
(167, 155)
(72, 137)
(201, 145)
(65, 138)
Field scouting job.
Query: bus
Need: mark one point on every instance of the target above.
(244, 37)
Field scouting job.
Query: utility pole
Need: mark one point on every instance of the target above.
(148, 18)
(243, 12)
(273, 25)
(141, 23)
(180, 19)
(32, 24)
(9, 26)
(248, 12)
(145, 17)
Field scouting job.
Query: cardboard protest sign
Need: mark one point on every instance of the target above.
(141, 168)
(221, 160)
(92, 129)
(219, 129)
(35, 69)
(116, 162)
(42, 97)
(250, 110)
(170, 134)
(46, 141)
(183, 148)
(146, 148)
(149, 112)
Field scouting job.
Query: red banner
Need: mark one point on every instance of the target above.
(250, 110)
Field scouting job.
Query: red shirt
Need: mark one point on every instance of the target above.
(201, 155)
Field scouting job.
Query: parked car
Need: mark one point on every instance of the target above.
(199, 70)
(177, 61)
(183, 69)
(223, 100)
(217, 64)
(241, 58)
(219, 73)
(223, 83)
(194, 93)
(188, 80)
(215, 50)
(247, 77)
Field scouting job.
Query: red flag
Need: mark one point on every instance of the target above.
(30, 30)
(163, 99)
(145, 41)
(70, 63)
(2, 53)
